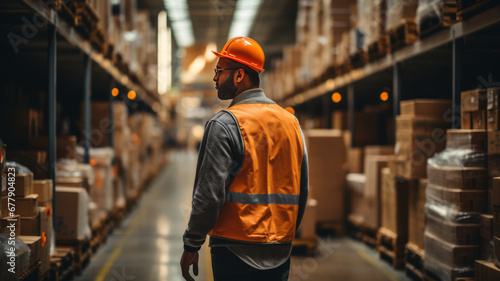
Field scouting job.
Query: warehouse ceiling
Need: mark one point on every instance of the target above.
(273, 28)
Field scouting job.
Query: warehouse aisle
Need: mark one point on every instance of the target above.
(148, 245)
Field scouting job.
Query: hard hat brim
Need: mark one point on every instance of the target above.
(238, 60)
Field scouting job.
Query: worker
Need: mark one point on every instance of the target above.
(251, 183)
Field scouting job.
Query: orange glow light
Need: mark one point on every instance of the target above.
(135, 138)
(115, 92)
(384, 96)
(131, 95)
(92, 162)
(336, 97)
(291, 110)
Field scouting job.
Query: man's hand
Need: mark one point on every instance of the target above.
(189, 258)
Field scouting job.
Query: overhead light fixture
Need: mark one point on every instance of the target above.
(178, 13)
(164, 54)
(243, 17)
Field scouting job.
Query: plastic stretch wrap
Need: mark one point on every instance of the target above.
(429, 10)
(459, 158)
(101, 192)
(20, 169)
(454, 233)
(442, 272)
(22, 258)
(67, 168)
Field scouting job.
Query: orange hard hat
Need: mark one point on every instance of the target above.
(244, 50)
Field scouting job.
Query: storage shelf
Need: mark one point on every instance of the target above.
(69, 33)
(459, 30)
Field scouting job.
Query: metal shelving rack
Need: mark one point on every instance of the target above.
(55, 25)
(453, 35)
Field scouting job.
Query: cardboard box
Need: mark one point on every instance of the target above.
(394, 200)
(339, 120)
(72, 182)
(356, 160)
(454, 233)
(474, 100)
(411, 144)
(356, 188)
(22, 257)
(373, 167)
(458, 177)
(326, 173)
(493, 120)
(413, 166)
(433, 108)
(24, 206)
(30, 225)
(416, 213)
(495, 202)
(34, 244)
(479, 120)
(23, 184)
(493, 142)
(450, 254)
(14, 224)
(419, 124)
(44, 190)
(466, 120)
(66, 146)
(378, 150)
(486, 236)
(462, 200)
(486, 271)
(493, 94)
(307, 228)
(475, 140)
(496, 247)
(23, 125)
(71, 217)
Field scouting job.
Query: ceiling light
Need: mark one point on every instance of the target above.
(243, 17)
(178, 13)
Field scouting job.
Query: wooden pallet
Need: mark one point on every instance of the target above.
(468, 8)
(32, 273)
(359, 230)
(391, 247)
(402, 35)
(359, 59)
(330, 228)
(431, 22)
(414, 262)
(379, 48)
(61, 264)
(82, 253)
(304, 246)
(436, 271)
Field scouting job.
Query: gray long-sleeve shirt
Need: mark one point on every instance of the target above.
(220, 160)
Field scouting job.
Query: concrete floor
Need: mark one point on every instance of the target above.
(148, 244)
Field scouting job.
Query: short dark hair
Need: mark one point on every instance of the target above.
(252, 74)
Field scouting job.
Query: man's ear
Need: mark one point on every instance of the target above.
(240, 74)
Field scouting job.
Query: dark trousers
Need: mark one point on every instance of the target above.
(226, 266)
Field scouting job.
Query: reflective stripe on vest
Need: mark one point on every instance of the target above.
(262, 201)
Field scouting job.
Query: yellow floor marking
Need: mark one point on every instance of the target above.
(109, 263)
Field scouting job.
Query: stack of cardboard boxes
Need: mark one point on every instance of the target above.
(326, 157)
(28, 217)
(420, 131)
(457, 196)
(488, 268)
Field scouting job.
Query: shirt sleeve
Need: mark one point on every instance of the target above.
(213, 175)
(304, 183)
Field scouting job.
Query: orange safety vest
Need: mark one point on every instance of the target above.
(262, 202)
